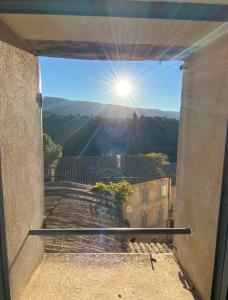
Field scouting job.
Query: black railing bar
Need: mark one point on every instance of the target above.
(107, 231)
(106, 177)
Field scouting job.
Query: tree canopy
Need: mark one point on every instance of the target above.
(85, 135)
(133, 135)
(161, 158)
(51, 151)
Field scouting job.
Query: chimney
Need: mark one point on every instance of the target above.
(118, 161)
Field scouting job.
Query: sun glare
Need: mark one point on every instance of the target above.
(123, 88)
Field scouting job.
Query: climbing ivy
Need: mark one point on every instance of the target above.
(121, 189)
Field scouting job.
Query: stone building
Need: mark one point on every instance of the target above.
(149, 203)
(149, 206)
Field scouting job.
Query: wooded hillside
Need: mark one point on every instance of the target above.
(84, 135)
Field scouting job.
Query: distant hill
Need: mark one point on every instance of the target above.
(101, 136)
(65, 107)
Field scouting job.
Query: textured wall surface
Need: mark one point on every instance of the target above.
(22, 161)
(204, 115)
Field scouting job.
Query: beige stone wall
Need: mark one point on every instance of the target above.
(22, 162)
(138, 208)
(173, 194)
(204, 112)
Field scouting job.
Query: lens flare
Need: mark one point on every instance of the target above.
(123, 87)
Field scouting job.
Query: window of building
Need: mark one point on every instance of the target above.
(129, 209)
(162, 191)
(144, 221)
(144, 194)
(160, 213)
(92, 167)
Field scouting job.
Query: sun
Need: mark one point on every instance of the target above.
(123, 87)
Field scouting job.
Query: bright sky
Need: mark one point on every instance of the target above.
(145, 84)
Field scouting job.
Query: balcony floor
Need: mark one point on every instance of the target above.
(107, 277)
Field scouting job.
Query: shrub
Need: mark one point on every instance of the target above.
(121, 189)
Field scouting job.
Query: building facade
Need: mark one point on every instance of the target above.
(150, 202)
(148, 206)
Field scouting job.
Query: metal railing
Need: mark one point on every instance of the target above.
(107, 231)
(93, 180)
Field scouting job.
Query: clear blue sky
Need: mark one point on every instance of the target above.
(154, 85)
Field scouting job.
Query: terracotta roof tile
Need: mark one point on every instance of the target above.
(92, 169)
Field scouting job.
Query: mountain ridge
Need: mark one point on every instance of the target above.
(113, 111)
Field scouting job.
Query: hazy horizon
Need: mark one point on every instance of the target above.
(98, 102)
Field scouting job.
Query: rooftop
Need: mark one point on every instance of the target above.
(92, 169)
(70, 205)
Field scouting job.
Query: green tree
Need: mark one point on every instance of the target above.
(161, 158)
(133, 135)
(51, 150)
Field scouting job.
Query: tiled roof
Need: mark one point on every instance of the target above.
(170, 170)
(148, 248)
(69, 205)
(92, 169)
